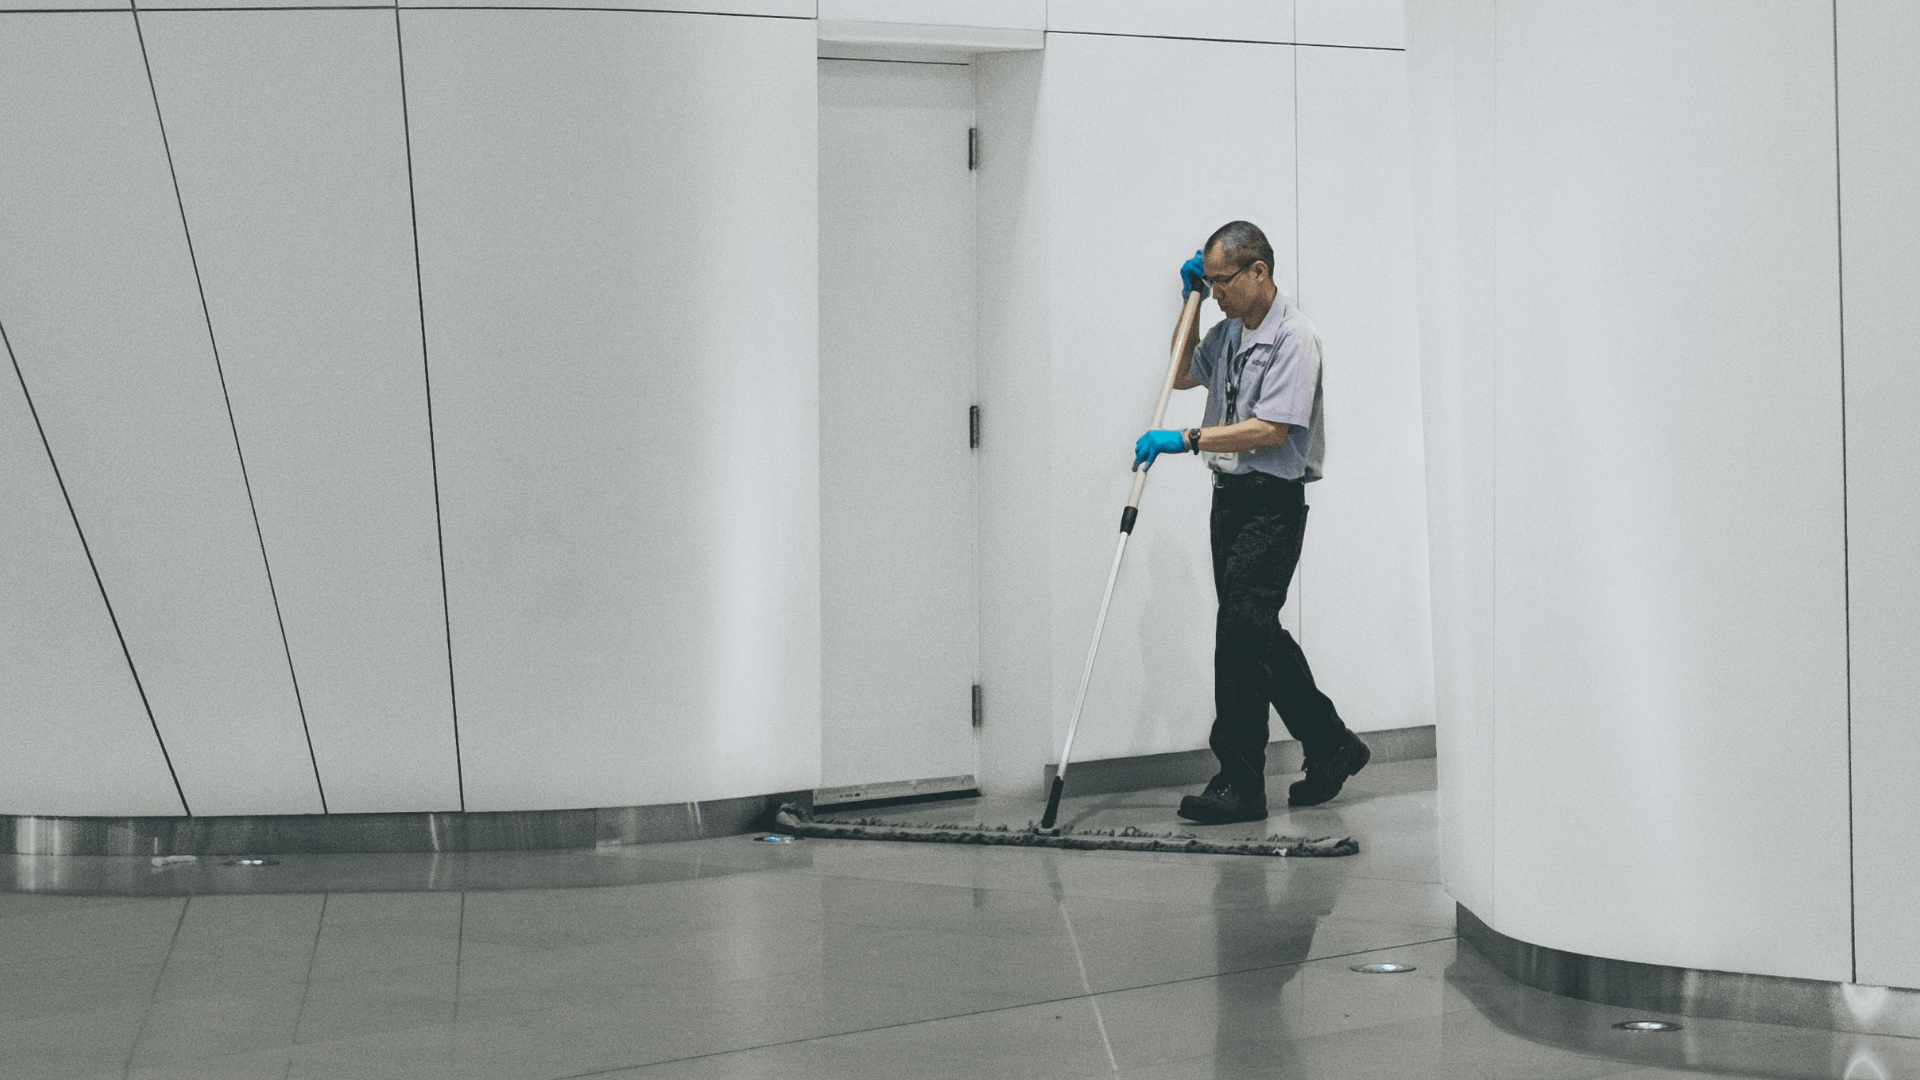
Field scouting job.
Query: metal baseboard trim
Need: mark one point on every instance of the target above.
(1105, 776)
(1681, 991)
(894, 789)
(317, 834)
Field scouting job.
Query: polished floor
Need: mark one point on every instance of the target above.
(823, 959)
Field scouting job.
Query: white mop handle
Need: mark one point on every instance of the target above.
(1093, 651)
(1189, 314)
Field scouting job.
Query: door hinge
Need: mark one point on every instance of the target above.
(973, 149)
(976, 704)
(973, 427)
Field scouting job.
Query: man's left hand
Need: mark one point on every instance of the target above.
(1157, 442)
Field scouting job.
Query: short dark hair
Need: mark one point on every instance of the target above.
(1243, 243)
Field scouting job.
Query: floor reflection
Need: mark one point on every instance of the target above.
(1250, 1027)
(1703, 1045)
(563, 868)
(722, 959)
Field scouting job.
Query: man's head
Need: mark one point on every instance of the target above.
(1239, 263)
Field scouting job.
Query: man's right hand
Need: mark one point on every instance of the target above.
(1193, 275)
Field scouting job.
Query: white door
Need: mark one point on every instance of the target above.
(899, 620)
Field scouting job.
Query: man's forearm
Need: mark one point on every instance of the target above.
(1251, 434)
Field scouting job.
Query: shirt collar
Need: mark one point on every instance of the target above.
(1268, 332)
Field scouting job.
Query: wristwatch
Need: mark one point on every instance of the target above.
(1193, 439)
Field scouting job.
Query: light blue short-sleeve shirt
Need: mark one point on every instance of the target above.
(1271, 372)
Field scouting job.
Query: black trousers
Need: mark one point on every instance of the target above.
(1257, 526)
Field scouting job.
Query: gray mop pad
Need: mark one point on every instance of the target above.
(799, 822)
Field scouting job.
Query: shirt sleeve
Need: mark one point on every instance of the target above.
(1206, 358)
(1285, 392)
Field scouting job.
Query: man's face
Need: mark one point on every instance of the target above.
(1234, 296)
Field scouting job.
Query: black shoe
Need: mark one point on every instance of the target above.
(1326, 774)
(1220, 804)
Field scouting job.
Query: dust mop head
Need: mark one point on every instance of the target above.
(798, 821)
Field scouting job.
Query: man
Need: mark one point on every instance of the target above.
(1264, 440)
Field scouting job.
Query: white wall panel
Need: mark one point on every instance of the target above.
(1015, 535)
(98, 293)
(1451, 67)
(1139, 178)
(79, 741)
(1672, 759)
(1364, 608)
(1231, 20)
(287, 138)
(618, 243)
(1879, 161)
(1376, 24)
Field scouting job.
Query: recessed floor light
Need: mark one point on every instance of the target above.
(251, 862)
(1647, 1025)
(1382, 969)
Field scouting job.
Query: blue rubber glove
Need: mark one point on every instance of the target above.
(1193, 275)
(1157, 442)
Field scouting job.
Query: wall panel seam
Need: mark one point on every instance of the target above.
(94, 567)
(227, 399)
(390, 6)
(565, 7)
(1846, 577)
(426, 375)
(1231, 41)
(1493, 491)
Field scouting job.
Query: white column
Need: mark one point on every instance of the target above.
(1631, 298)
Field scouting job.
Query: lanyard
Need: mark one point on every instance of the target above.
(1230, 416)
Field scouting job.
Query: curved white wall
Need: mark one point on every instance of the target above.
(1640, 465)
(616, 382)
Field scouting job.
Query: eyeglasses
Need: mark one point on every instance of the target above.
(1218, 282)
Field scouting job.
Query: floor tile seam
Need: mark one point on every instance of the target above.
(98, 913)
(425, 967)
(1042, 891)
(1403, 880)
(1022, 890)
(1273, 967)
(292, 1050)
(100, 900)
(159, 952)
(988, 1012)
(69, 957)
(295, 1046)
(453, 960)
(1180, 912)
